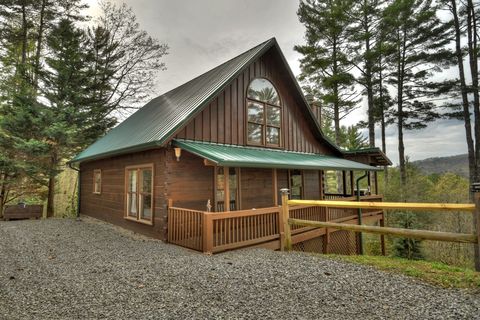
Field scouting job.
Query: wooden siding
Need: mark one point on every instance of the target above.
(256, 188)
(189, 181)
(311, 184)
(109, 205)
(223, 120)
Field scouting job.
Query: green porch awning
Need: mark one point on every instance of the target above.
(251, 157)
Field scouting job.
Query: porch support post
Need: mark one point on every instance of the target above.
(476, 222)
(226, 185)
(207, 233)
(344, 182)
(352, 183)
(274, 184)
(369, 181)
(285, 216)
(382, 237)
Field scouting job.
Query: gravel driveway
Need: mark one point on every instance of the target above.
(66, 269)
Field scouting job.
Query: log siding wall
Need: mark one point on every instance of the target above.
(110, 204)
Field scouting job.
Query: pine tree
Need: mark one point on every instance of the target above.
(406, 247)
(419, 39)
(325, 64)
(365, 39)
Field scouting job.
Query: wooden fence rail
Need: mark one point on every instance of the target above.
(291, 222)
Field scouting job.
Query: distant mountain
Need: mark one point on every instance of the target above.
(456, 164)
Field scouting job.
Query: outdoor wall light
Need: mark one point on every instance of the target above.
(178, 153)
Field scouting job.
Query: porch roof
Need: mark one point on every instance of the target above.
(252, 157)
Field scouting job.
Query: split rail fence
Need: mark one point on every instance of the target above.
(291, 223)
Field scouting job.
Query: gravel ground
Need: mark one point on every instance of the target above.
(67, 269)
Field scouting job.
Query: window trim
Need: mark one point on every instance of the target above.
(264, 124)
(238, 204)
(138, 219)
(95, 171)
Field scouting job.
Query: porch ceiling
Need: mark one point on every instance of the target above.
(252, 157)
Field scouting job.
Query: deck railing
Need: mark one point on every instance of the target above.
(185, 228)
(235, 229)
(213, 232)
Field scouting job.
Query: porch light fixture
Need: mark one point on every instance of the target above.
(178, 153)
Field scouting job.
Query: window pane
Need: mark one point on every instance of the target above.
(147, 206)
(273, 135)
(273, 116)
(220, 179)
(147, 180)
(296, 184)
(263, 90)
(255, 112)
(233, 188)
(97, 176)
(132, 204)
(296, 193)
(255, 133)
(132, 180)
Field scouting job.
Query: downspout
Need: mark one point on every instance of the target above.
(360, 236)
(79, 188)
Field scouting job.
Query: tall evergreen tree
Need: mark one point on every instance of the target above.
(364, 36)
(462, 89)
(68, 113)
(325, 64)
(419, 39)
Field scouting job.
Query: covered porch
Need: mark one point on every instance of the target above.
(249, 179)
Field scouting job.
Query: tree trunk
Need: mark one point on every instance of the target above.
(368, 79)
(464, 94)
(3, 198)
(50, 198)
(473, 55)
(39, 43)
(51, 185)
(24, 41)
(401, 146)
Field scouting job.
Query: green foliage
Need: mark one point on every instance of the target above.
(325, 63)
(350, 138)
(407, 248)
(61, 86)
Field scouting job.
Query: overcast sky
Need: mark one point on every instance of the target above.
(202, 34)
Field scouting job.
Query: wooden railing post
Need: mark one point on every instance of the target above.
(207, 232)
(476, 222)
(285, 216)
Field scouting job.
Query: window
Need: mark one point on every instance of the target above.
(233, 189)
(97, 181)
(263, 114)
(296, 184)
(139, 193)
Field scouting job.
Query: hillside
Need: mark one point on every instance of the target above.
(457, 164)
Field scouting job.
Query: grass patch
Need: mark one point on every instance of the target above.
(435, 273)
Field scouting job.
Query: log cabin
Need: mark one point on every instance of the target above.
(210, 156)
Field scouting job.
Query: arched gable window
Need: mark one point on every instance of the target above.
(264, 114)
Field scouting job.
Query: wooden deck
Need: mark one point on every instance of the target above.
(213, 232)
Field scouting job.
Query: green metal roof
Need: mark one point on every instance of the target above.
(376, 152)
(154, 123)
(239, 156)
